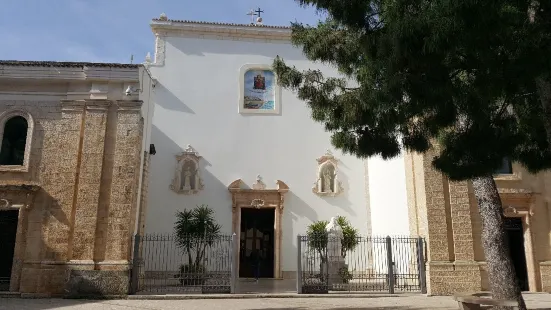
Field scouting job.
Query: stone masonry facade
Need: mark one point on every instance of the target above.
(78, 196)
(445, 213)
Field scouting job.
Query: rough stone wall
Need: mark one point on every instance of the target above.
(89, 177)
(124, 185)
(53, 164)
(545, 269)
(438, 209)
(446, 214)
(82, 218)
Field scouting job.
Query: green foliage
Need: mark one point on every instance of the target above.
(415, 71)
(350, 235)
(318, 239)
(191, 274)
(194, 231)
(345, 275)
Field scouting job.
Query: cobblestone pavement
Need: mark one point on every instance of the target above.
(534, 301)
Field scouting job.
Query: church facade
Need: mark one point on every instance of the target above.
(73, 148)
(229, 137)
(233, 140)
(77, 180)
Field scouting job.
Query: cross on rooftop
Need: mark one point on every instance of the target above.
(258, 11)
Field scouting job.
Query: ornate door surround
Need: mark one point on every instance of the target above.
(259, 197)
(19, 197)
(522, 205)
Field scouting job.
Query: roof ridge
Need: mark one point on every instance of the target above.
(251, 25)
(37, 63)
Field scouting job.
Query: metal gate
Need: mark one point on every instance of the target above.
(166, 264)
(371, 264)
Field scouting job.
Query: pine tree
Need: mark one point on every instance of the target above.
(457, 76)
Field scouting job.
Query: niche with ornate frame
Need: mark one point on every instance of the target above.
(187, 177)
(327, 182)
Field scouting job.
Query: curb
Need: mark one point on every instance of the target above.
(255, 296)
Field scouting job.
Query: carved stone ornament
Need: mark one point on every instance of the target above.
(257, 203)
(187, 178)
(259, 184)
(327, 182)
(516, 211)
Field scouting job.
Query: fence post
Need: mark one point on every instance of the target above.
(390, 265)
(299, 264)
(135, 273)
(421, 260)
(233, 276)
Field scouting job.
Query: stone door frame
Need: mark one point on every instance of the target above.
(19, 198)
(521, 206)
(259, 198)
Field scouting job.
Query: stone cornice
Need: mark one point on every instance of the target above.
(68, 73)
(89, 104)
(22, 187)
(72, 105)
(97, 104)
(129, 105)
(219, 31)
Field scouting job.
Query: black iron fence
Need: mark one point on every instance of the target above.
(366, 264)
(164, 263)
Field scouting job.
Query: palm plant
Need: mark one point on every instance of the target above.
(350, 235)
(194, 231)
(318, 238)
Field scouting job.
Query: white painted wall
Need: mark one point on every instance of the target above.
(146, 95)
(388, 198)
(196, 103)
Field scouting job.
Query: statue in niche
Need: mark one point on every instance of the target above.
(327, 183)
(327, 180)
(187, 178)
(189, 173)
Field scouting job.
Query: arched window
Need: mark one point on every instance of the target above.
(14, 141)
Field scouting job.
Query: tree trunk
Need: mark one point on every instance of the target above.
(190, 259)
(501, 272)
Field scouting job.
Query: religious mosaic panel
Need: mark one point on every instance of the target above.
(259, 90)
(327, 182)
(187, 178)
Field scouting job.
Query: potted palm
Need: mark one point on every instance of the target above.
(195, 230)
(317, 243)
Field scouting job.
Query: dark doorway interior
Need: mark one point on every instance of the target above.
(515, 234)
(257, 235)
(8, 231)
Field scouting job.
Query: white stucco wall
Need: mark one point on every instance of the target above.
(388, 199)
(197, 103)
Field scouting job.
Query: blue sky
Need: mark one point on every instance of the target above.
(112, 30)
